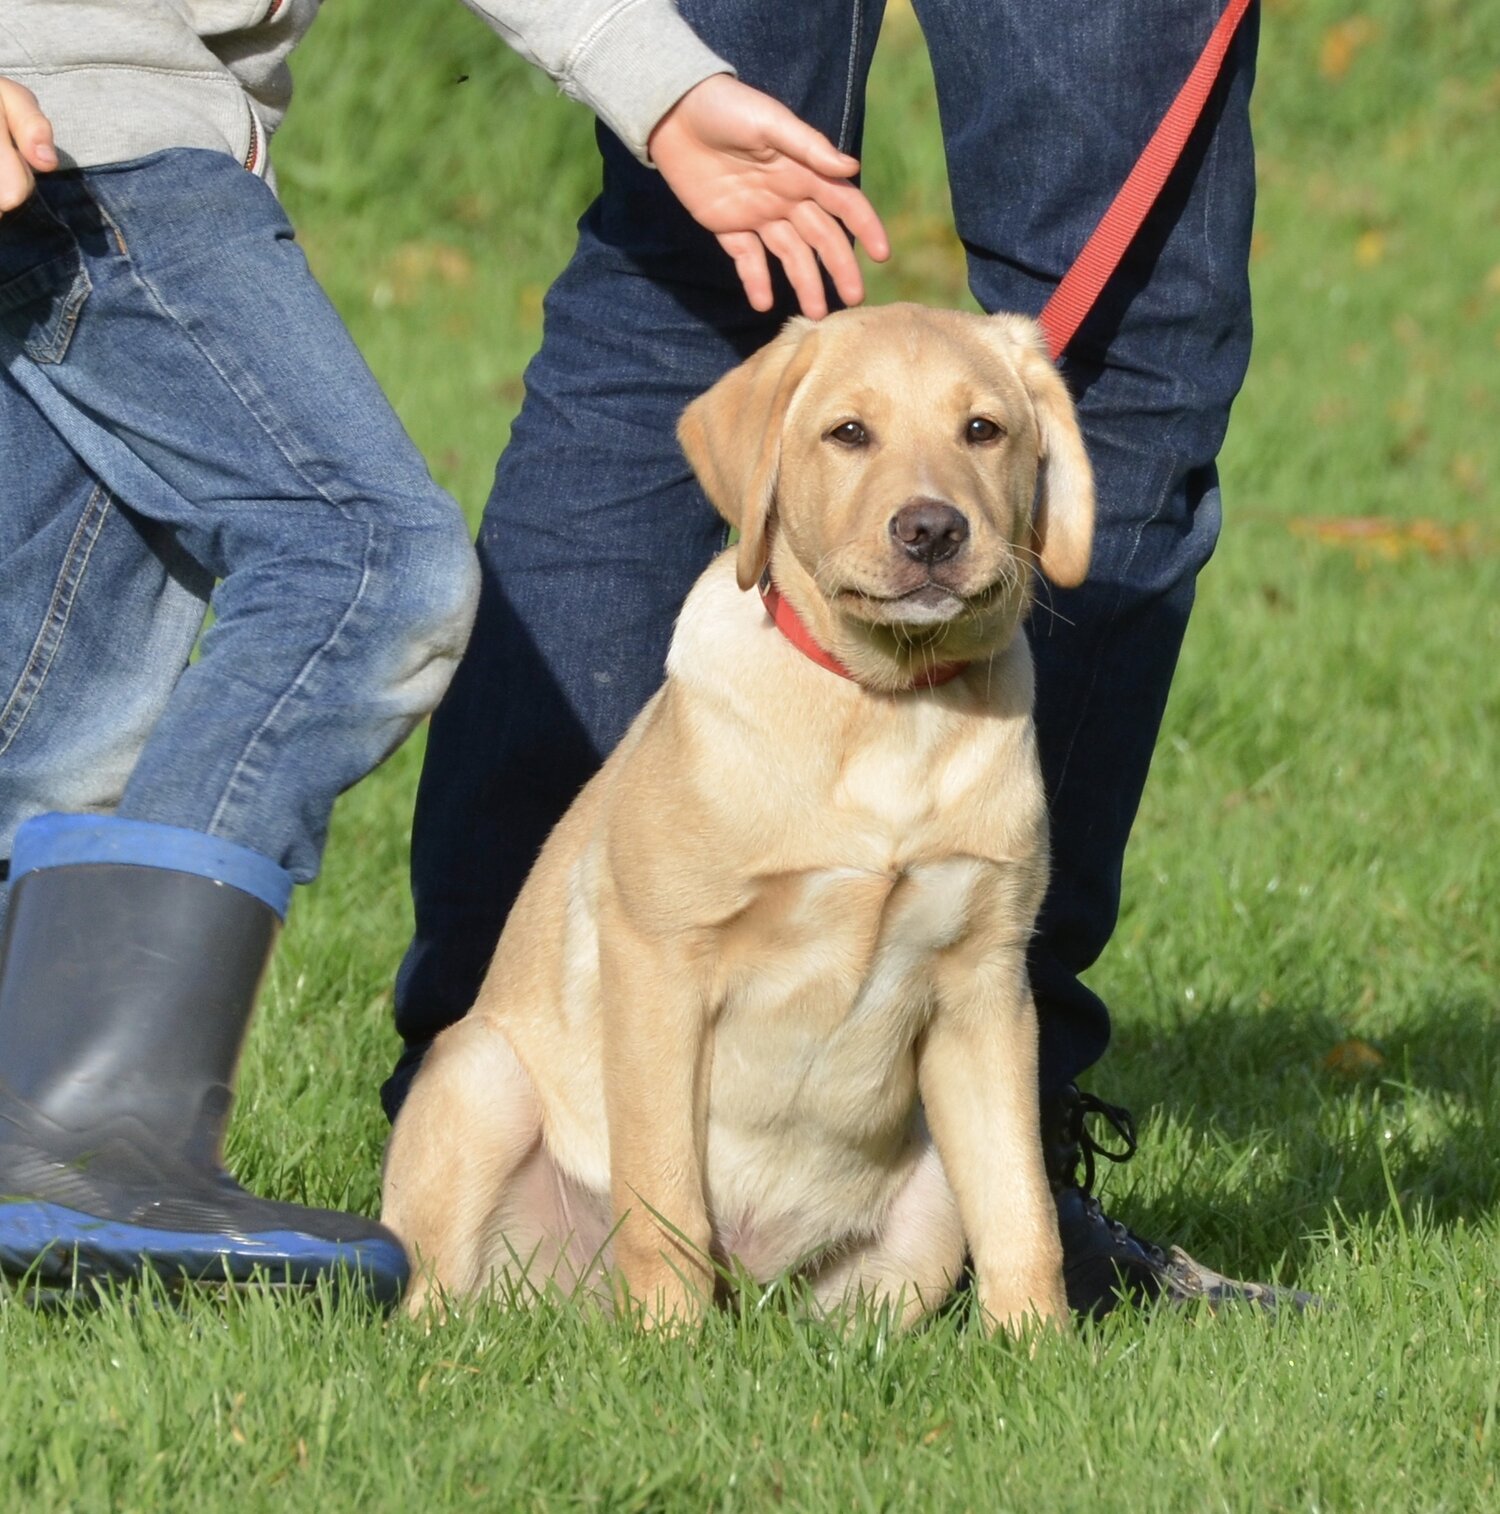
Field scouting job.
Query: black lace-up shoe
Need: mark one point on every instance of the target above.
(1105, 1261)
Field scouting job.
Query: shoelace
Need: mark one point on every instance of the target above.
(1122, 1122)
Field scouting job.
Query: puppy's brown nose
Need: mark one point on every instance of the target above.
(929, 531)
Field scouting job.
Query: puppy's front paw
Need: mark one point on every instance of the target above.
(1018, 1305)
(675, 1309)
(665, 1283)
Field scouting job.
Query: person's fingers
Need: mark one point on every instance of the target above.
(16, 182)
(764, 182)
(749, 256)
(29, 128)
(25, 143)
(830, 169)
(846, 203)
(801, 267)
(826, 238)
(790, 135)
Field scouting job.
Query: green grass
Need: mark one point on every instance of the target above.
(1304, 977)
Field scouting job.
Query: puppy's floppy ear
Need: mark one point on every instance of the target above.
(1063, 527)
(732, 437)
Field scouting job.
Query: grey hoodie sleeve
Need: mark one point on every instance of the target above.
(629, 61)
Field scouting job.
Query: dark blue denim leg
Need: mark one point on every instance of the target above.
(595, 530)
(1045, 109)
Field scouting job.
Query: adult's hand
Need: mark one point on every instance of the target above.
(748, 170)
(25, 144)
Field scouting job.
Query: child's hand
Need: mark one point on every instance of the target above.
(25, 143)
(748, 170)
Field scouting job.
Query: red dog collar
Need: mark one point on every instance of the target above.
(789, 623)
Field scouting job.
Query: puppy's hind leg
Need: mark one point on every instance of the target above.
(469, 1123)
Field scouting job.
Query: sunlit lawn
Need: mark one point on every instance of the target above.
(1304, 977)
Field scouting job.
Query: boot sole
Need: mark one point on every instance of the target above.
(55, 1250)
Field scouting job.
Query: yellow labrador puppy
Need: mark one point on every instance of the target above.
(764, 997)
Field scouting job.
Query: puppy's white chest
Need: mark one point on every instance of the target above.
(814, 1084)
(925, 768)
(830, 944)
(929, 908)
(889, 783)
(886, 785)
(822, 1020)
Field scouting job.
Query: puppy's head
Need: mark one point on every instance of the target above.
(905, 468)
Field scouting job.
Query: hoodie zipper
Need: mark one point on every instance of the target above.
(255, 154)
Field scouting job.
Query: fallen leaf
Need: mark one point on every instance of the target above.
(529, 304)
(1465, 471)
(1369, 249)
(1353, 1059)
(1377, 536)
(415, 267)
(428, 261)
(471, 209)
(1341, 43)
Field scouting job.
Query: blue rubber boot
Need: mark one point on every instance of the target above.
(128, 971)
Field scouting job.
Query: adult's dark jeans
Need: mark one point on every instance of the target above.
(596, 528)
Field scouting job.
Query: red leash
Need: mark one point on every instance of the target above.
(1083, 283)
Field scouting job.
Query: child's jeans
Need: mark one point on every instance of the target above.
(184, 421)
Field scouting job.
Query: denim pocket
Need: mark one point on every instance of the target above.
(43, 283)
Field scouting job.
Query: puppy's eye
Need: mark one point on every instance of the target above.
(850, 434)
(982, 429)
